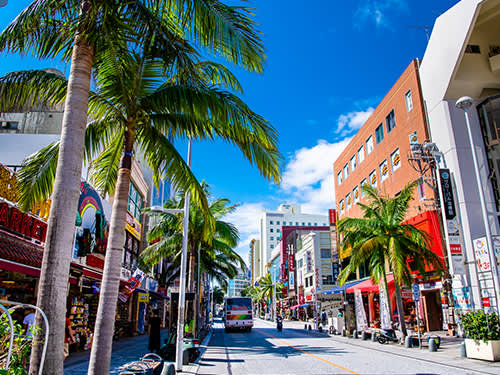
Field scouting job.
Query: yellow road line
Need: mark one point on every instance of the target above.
(306, 352)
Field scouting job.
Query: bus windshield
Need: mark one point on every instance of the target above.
(239, 304)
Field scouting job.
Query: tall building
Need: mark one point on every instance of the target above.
(272, 221)
(463, 59)
(255, 261)
(383, 154)
(236, 285)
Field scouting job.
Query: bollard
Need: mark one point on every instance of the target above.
(309, 327)
(344, 333)
(408, 342)
(320, 329)
(305, 326)
(432, 344)
(355, 334)
(463, 351)
(374, 336)
(364, 336)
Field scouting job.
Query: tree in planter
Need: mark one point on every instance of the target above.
(380, 238)
(20, 351)
(481, 326)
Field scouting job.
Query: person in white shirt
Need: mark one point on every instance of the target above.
(28, 323)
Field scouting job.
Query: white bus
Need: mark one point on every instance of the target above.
(238, 313)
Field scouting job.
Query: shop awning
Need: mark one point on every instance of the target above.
(293, 307)
(305, 305)
(368, 285)
(20, 255)
(341, 289)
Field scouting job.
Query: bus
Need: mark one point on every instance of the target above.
(238, 313)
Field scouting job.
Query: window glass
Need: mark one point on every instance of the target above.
(353, 163)
(390, 121)
(277, 223)
(348, 200)
(341, 206)
(361, 154)
(421, 190)
(355, 194)
(135, 202)
(409, 101)
(271, 222)
(271, 230)
(395, 160)
(315, 224)
(309, 224)
(325, 253)
(339, 178)
(379, 133)
(369, 145)
(271, 246)
(346, 171)
(363, 182)
(373, 178)
(278, 230)
(384, 170)
(271, 238)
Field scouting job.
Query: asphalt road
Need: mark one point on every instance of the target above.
(293, 351)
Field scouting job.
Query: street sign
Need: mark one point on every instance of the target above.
(416, 292)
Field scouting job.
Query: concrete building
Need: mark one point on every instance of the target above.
(255, 261)
(236, 285)
(383, 154)
(272, 221)
(463, 59)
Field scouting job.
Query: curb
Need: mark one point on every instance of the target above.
(193, 369)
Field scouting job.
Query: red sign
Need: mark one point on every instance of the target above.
(309, 298)
(455, 249)
(486, 302)
(291, 265)
(21, 223)
(301, 299)
(332, 213)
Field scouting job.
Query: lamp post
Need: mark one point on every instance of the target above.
(465, 103)
(182, 277)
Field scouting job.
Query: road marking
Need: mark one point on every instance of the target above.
(306, 352)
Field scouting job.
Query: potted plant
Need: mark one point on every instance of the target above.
(482, 332)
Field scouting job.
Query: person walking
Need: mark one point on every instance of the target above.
(69, 337)
(154, 332)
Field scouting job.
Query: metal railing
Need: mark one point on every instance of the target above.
(17, 305)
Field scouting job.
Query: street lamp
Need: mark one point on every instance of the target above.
(465, 103)
(182, 277)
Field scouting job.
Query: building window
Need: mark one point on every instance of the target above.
(277, 223)
(315, 224)
(271, 246)
(297, 223)
(363, 183)
(271, 238)
(325, 253)
(135, 202)
(271, 230)
(409, 101)
(395, 160)
(303, 224)
(346, 171)
(369, 145)
(355, 194)
(384, 170)
(309, 224)
(361, 154)
(390, 121)
(339, 178)
(373, 178)
(300, 263)
(278, 230)
(379, 133)
(307, 282)
(353, 163)
(271, 222)
(348, 200)
(341, 206)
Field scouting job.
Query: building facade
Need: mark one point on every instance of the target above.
(463, 59)
(236, 285)
(384, 154)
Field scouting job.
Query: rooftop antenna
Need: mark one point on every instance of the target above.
(424, 27)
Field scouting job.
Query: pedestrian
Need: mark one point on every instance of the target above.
(29, 323)
(154, 325)
(69, 337)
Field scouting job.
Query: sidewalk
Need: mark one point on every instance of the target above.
(449, 352)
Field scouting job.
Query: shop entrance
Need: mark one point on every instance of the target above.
(431, 302)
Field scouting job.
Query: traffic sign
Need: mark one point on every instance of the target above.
(416, 292)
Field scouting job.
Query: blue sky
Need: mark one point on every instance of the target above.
(329, 64)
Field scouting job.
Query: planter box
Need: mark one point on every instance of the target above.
(488, 351)
(495, 63)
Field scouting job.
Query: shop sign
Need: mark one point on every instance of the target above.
(482, 255)
(336, 271)
(309, 298)
(133, 226)
(22, 223)
(143, 297)
(406, 293)
(447, 190)
(461, 299)
(308, 262)
(125, 274)
(416, 292)
(8, 184)
(291, 262)
(413, 138)
(134, 281)
(332, 214)
(301, 299)
(292, 281)
(151, 284)
(486, 301)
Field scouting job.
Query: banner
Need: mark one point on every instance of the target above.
(361, 322)
(385, 314)
(134, 281)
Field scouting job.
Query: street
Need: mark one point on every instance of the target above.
(294, 351)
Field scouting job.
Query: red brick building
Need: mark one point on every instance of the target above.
(379, 155)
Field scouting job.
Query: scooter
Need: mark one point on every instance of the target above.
(385, 335)
(279, 323)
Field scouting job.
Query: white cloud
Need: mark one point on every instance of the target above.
(377, 11)
(352, 121)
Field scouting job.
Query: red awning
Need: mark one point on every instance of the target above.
(368, 285)
(18, 250)
(293, 307)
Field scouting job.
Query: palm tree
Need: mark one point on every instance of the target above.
(381, 239)
(83, 29)
(267, 287)
(217, 257)
(218, 295)
(134, 109)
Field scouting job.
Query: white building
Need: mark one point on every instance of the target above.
(272, 221)
(236, 285)
(463, 59)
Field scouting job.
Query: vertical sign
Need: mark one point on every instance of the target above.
(447, 190)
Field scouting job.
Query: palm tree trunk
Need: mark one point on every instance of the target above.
(387, 296)
(399, 304)
(100, 355)
(53, 285)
